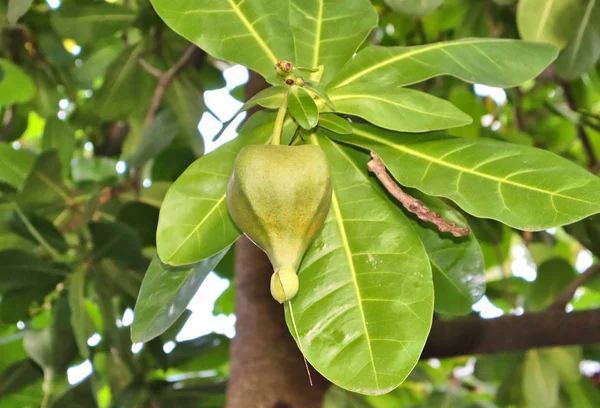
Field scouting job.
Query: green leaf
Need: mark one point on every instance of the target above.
(17, 9)
(540, 380)
(583, 50)
(456, 263)
(21, 269)
(14, 165)
(225, 303)
(88, 23)
(43, 227)
(143, 218)
(82, 324)
(583, 394)
(44, 185)
(336, 397)
(566, 361)
(194, 223)
(116, 241)
(552, 277)
(587, 232)
(398, 109)
(47, 96)
(18, 376)
(551, 21)
(15, 85)
(96, 169)
(335, 123)
(414, 8)
(187, 101)
(96, 64)
(523, 187)
(365, 304)
(319, 92)
(125, 87)
(270, 98)
(493, 62)
(302, 107)
(159, 134)
(328, 32)
(165, 294)
(60, 136)
(254, 33)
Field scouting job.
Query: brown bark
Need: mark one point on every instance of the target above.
(267, 369)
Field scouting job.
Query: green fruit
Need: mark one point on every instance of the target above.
(280, 196)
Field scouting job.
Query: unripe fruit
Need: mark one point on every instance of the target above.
(279, 196)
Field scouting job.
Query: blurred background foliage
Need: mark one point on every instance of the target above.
(87, 153)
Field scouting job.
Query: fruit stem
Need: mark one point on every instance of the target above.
(276, 139)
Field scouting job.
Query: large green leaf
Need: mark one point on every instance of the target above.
(60, 136)
(328, 32)
(414, 8)
(14, 165)
(89, 23)
(194, 223)
(583, 50)
(399, 109)
(165, 294)
(551, 21)
(15, 85)
(254, 33)
(457, 263)
(365, 303)
(494, 62)
(523, 187)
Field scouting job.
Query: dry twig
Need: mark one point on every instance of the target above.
(413, 205)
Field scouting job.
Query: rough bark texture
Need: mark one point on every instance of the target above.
(267, 369)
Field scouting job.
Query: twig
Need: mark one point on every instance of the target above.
(567, 294)
(413, 205)
(581, 133)
(164, 81)
(151, 69)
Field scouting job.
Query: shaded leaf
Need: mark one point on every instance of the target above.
(493, 62)
(116, 241)
(22, 269)
(14, 165)
(15, 85)
(583, 50)
(44, 228)
(551, 21)
(552, 277)
(88, 23)
(540, 380)
(365, 303)
(82, 324)
(44, 185)
(58, 135)
(18, 376)
(398, 109)
(414, 8)
(17, 9)
(523, 187)
(165, 294)
(143, 218)
(159, 134)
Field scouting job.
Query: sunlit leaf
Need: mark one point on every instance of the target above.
(551, 21)
(365, 303)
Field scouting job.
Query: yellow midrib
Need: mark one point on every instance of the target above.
(465, 169)
(403, 56)
(252, 31)
(319, 23)
(544, 19)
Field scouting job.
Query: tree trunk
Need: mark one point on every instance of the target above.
(267, 369)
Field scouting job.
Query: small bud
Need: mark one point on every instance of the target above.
(289, 82)
(299, 81)
(284, 284)
(287, 66)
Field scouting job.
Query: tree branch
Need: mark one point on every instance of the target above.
(567, 294)
(512, 333)
(413, 205)
(588, 148)
(164, 80)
